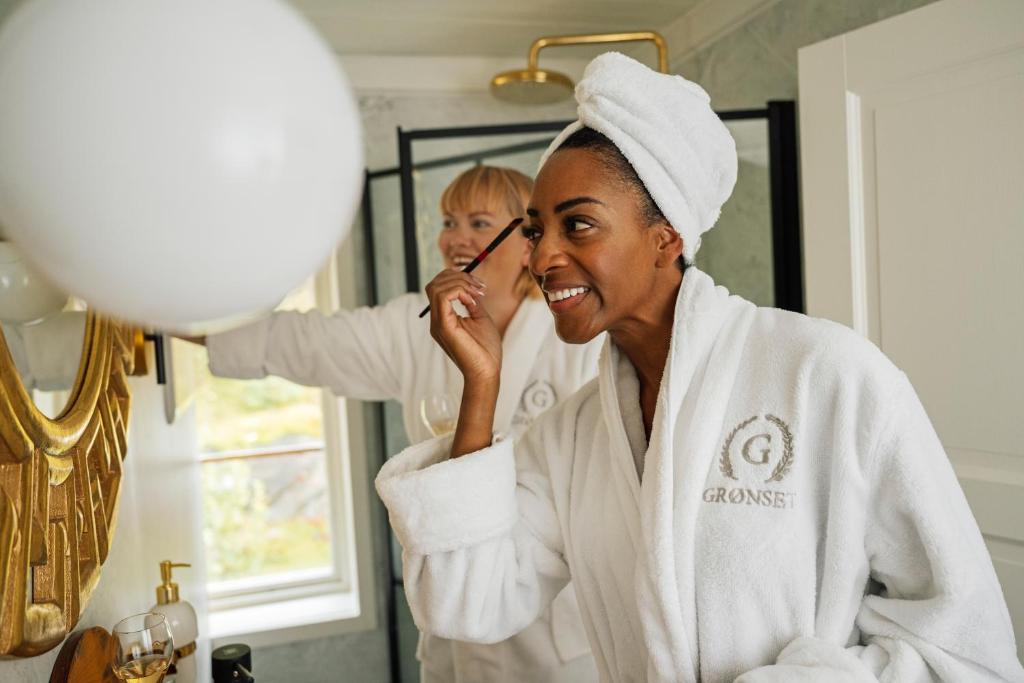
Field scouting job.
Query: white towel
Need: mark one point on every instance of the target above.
(664, 125)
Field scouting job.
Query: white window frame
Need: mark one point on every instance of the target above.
(257, 590)
(342, 600)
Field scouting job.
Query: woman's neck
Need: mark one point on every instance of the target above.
(646, 344)
(502, 309)
(645, 340)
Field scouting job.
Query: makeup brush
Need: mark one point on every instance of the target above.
(471, 266)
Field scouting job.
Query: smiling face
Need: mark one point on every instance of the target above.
(464, 234)
(475, 208)
(593, 252)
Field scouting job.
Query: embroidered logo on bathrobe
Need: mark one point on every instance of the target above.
(537, 397)
(759, 448)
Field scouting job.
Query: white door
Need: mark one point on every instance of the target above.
(912, 145)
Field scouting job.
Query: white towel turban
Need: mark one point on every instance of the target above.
(664, 125)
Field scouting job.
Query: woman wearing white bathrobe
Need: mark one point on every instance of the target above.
(744, 494)
(385, 353)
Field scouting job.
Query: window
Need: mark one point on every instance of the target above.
(278, 504)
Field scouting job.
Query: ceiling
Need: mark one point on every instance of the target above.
(492, 28)
(478, 27)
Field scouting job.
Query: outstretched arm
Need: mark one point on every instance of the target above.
(366, 353)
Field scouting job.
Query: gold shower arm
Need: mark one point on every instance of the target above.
(592, 38)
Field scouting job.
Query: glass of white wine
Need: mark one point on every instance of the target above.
(143, 648)
(440, 413)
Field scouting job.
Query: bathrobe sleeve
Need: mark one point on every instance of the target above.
(939, 614)
(483, 553)
(363, 353)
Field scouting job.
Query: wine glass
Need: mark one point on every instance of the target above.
(143, 648)
(440, 413)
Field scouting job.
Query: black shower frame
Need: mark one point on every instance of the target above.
(785, 218)
(784, 186)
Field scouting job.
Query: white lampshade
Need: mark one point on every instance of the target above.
(25, 296)
(174, 162)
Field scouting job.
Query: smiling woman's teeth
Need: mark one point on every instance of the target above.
(566, 293)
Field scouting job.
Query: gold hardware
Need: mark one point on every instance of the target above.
(533, 85)
(596, 38)
(185, 650)
(167, 591)
(140, 367)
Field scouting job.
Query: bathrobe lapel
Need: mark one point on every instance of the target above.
(623, 465)
(699, 375)
(520, 348)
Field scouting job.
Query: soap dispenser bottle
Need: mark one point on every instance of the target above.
(181, 617)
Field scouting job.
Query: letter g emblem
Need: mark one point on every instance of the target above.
(768, 441)
(766, 452)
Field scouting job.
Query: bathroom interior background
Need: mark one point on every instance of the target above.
(744, 67)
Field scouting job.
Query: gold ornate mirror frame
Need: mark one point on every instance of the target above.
(59, 485)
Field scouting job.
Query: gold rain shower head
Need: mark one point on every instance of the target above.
(534, 85)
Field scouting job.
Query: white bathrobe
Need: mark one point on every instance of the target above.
(796, 520)
(385, 353)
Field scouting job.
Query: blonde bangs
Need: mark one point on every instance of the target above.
(484, 188)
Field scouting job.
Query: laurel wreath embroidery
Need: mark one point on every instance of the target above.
(724, 464)
(782, 469)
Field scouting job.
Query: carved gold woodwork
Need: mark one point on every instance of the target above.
(59, 485)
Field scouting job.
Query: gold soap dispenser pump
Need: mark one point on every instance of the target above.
(181, 617)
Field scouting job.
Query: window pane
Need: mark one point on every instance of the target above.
(235, 414)
(266, 515)
(267, 518)
(241, 414)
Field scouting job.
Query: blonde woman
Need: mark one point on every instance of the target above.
(385, 352)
